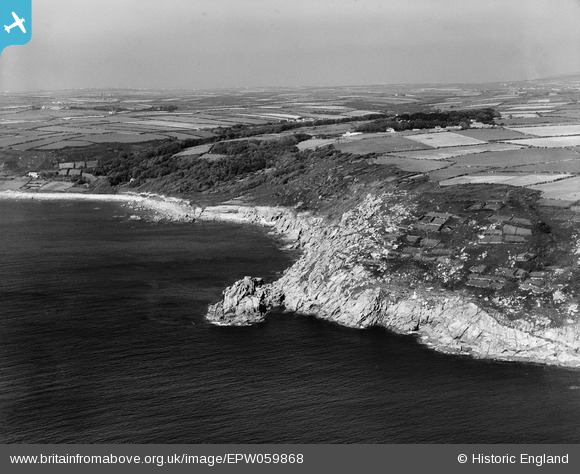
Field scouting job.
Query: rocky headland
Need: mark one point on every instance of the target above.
(347, 273)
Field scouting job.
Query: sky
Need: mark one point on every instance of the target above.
(201, 44)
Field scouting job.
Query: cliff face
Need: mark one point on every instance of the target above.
(336, 279)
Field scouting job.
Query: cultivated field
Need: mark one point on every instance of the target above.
(524, 156)
(446, 153)
(568, 189)
(13, 184)
(444, 139)
(314, 143)
(491, 134)
(122, 138)
(451, 172)
(195, 150)
(550, 130)
(568, 166)
(511, 179)
(383, 144)
(406, 164)
(57, 186)
(550, 142)
(64, 144)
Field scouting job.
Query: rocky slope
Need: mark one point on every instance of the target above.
(333, 280)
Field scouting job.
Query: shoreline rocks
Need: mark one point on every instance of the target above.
(329, 282)
(246, 302)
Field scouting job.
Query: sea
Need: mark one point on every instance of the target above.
(103, 340)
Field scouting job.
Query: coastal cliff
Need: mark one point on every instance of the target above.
(340, 277)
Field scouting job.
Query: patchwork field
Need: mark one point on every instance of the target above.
(567, 190)
(122, 138)
(384, 144)
(531, 119)
(511, 179)
(314, 143)
(64, 144)
(446, 153)
(13, 184)
(568, 166)
(32, 144)
(57, 186)
(550, 142)
(95, 129)
(444, 139)
(196, 150)
(168, 124)
(550, 130)
(524, 156)
(406, 164)
(448, 173)
(491, 134)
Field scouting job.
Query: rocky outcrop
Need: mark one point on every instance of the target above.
(330, 281)
(245, 302)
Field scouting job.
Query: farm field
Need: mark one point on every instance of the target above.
(451, 172)
(32, 144)
(196, 150)
(64, 144)
(94, 129)
(314, 143)
(549, 142)
(550, 130)
(121, 138)
(567, 190)
(569, 113)
(533, 119)
(444, 139)
(491, 134)
(39, 130)
(508, 158)
(451, 152)
(384, 144)
(186, 125)
(406, 164)
(6, 142)
(13, 184)
(57, 186)
(180, 136)
(568, 166)
(189, 120)
(511, 179)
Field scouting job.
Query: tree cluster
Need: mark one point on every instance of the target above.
(426, 120)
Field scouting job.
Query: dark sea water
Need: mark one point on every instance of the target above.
(102, 339)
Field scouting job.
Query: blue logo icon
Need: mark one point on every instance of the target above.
(16, 17)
